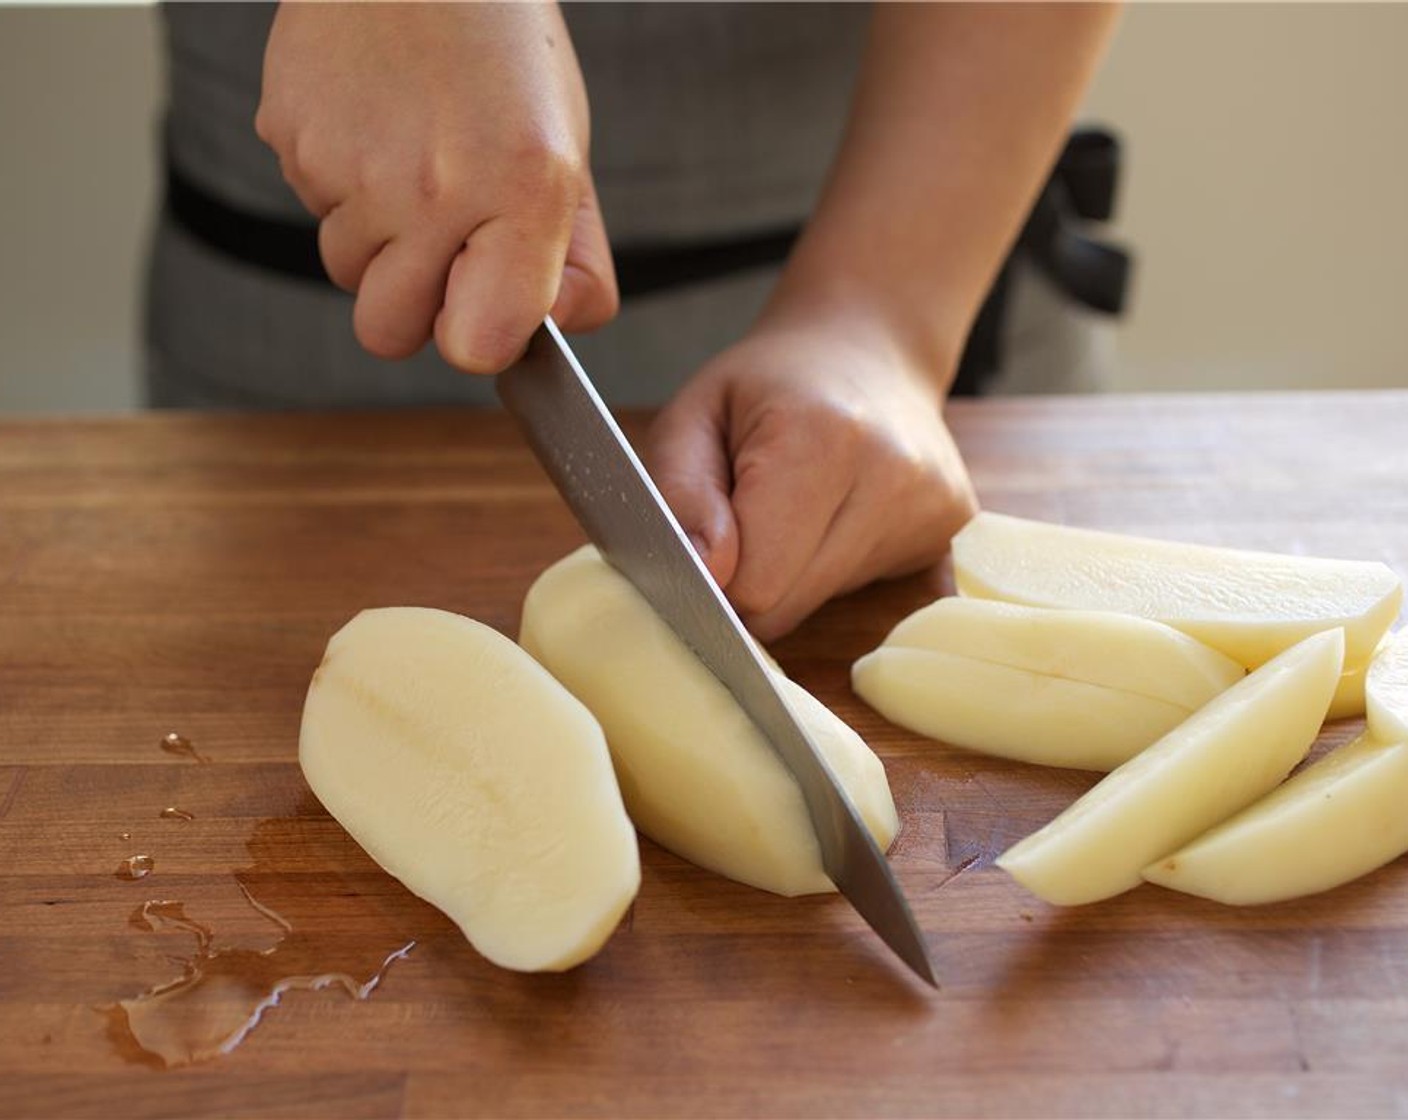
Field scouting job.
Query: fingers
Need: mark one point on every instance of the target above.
(399, 281)
(401, 291)
(838, 566)
(501, 286)
(687, 456)
(348, 239)
(897, 515)
(787, 492)
(588, 297)
(481, 296)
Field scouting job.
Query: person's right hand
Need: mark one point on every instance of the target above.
(443, 148)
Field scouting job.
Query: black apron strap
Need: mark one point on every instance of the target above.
(291, 248)
(1056, 237)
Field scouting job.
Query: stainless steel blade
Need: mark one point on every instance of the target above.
(593, 465)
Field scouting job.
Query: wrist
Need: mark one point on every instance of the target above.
(912, 333)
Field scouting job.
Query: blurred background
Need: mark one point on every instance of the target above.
(1264, 195)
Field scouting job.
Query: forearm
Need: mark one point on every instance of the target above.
(959, 113)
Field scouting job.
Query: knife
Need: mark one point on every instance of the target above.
(594, 467)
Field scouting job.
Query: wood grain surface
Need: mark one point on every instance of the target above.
(182, 573)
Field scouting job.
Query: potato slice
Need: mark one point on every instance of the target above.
(1334, 821)
(697, 775)
(1386, 690)
(1348, 702)
(1062, 688)
(1224, 757)
(1116, 651)
(1249, 605)
(467, 772)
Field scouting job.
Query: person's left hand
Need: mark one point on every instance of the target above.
(808, 460)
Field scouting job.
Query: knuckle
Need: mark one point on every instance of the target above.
(443, 182)
(545, 178)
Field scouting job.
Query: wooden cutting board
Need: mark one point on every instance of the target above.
(180, 574)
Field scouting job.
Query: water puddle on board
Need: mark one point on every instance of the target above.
(222, 993)
(326, 935)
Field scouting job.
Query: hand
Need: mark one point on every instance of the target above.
(443, 147)
(806, 461)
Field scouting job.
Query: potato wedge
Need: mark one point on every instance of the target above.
(467, 772)
(697, 776)
(1062, 688)
(1334, 821)
(1225, 756)
(1386, 690)
(1348, 701)
(1249, 605)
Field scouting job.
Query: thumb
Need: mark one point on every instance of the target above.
(587, 298)
(687, 456)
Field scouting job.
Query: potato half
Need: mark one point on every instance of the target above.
(697, 776)
(467, 772)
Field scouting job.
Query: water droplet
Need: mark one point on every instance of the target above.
(124, 836)
(172, 743)
(171, 813)
(135, 867)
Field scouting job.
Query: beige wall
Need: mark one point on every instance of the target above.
(78, 96)
(1269, 167)
(1267, 193)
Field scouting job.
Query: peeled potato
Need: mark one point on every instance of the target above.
(1248, 605)
(1225, 756)
(1334, 821)
(1085, 689)
(467, 772)
(697, 775)
(1348, 702)
(1386, 690)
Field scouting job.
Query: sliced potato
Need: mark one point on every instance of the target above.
(1116, 651)
(467, 772)
(1062, 688)
(1249, 605)
(1225, 756)
(1386, 690)
(1333, 822)
(1348, 701)
(697, 775)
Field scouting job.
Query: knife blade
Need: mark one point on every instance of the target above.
(603, 482)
